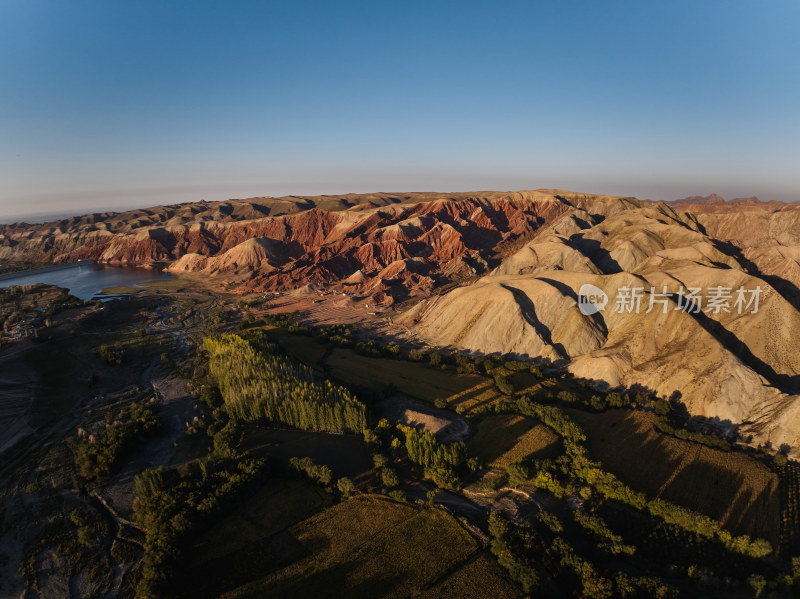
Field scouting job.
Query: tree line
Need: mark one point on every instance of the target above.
(424, 449)
(440, 460)
(171, 505)
(258, 386)
(96, 455)
(610, 487)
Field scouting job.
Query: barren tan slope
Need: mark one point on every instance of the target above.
(768, 236)
(737, 367)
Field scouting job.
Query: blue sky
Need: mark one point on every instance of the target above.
(116, 104)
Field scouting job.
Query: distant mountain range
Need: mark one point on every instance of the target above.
(713, 199)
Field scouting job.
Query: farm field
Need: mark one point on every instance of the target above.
(347, 455)
(523, 380)
(220, 553)
(177, 284)
(729, 486)
(483, 394)
(409, 378)
(303, 347)
(504, 438)
(477, 579)
(365, 547)
(277, 505)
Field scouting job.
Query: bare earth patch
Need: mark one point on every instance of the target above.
(446, 425)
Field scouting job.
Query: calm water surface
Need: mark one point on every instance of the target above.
(87, 280)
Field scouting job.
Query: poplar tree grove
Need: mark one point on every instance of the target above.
(257, 386)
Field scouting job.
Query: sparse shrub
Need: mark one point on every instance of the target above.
(430, 497)
(111, 354)
(551, 521)
(444, 477)
(389, 478)
(489, 364)
(416, 355)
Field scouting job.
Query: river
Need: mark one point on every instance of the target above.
(85, 281)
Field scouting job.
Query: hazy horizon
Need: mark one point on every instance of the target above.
(113, 106)
(143, 203)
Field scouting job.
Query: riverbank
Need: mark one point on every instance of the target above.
(44, 269)
(87, 279)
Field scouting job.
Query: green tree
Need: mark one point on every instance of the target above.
(503, 384)
(757, 583)
(518, 473)
(346, 487)
(389, 478)
(431, 497)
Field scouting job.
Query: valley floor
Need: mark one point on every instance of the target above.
(471, 478)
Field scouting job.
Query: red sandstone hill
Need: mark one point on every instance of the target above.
(390, 245)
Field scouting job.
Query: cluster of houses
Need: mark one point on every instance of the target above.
(23, 327)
